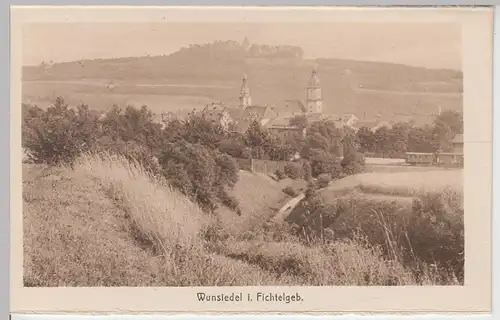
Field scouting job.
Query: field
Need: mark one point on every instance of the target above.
(167, 84)
(98, 97)
(110, 224)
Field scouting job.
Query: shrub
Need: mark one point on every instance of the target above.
(324, 162)
(280, 174)
(353, 162)
(59, 134)
(429, 233)
(306, 168)
(290, 191)
(324, 180)
(293, 170)
(436, 231)
(202, 174)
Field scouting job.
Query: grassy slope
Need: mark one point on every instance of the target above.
(95, 227)
(75, 235)
(260, 197)
(106, 223)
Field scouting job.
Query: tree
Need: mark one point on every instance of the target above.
(256, 138)
(59, 134)
(324, 162)
(367, 140)
(197, 129)
(353, 161)
(443, 134)
(299, 121)
(453, 119)
(421, 139)
(201, 173)
(382, 141)
(399, 139)
(350, 141)
(294, 170)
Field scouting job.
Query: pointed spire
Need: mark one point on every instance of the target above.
(245, 98)
(244, 86)
(314, 80)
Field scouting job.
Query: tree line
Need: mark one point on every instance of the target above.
(395, 141)
(194, 155)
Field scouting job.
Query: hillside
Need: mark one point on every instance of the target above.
(356, 198)
(109, 224)
(192, 78)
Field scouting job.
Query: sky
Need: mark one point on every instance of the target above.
(416, 44)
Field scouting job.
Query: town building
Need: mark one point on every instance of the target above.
(277, 118)
(314, 95)
(217, 113)
(281, 127)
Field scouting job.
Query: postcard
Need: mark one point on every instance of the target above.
(251, 159)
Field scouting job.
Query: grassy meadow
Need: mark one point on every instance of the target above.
(107, 222)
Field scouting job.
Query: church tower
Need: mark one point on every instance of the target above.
(245, 97)
(314, 99)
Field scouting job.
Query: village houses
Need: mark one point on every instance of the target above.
(276, 118)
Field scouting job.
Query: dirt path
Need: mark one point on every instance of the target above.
(288, 208)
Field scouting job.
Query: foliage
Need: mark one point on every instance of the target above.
(399, 138)
(324, 162)
(290, 191)
(185, 152)
(59, 134)
(353, 162)
(454, 120)
(307, 169)
(324, 180)
(323, 135)
(200, 173)
(293, 170)
(280, 174)
(421, 140)
(299, 121)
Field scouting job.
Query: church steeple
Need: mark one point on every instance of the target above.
(314, 99)
(245, 97)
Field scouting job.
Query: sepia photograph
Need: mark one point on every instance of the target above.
(248, 153)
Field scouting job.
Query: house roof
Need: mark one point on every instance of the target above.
(347, 117)
(256, 113)
(284, 127)
(278, 122)
(325, 117)
(235, 113)
(459, 138)
(290, 107)
(214, 106)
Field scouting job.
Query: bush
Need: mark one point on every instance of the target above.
(324, 180)
(59, 134)
(429, 234)
(290, 191)
(324, 162)
(202, 174)
(353, 162)
(306, 168)
(436, 231)
(293, 170)
(280, 174)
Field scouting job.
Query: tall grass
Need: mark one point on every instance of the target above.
(161, 214)
(168, 223)
(188, 247)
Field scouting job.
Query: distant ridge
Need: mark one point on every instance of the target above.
(275, 74)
